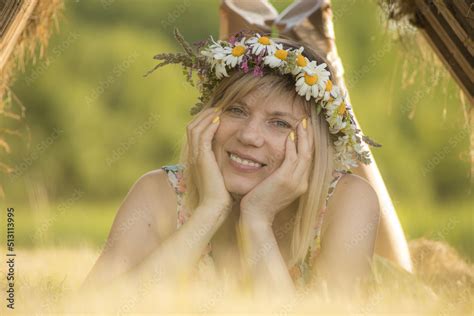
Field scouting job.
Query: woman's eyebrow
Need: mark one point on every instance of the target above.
(280, 113)
(274, 113)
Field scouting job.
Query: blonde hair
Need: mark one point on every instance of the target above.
(234, 88)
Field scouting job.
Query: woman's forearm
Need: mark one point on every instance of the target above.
(263, 260)
(175, 258)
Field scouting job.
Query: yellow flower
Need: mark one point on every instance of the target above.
(329, 86)
(342, 108)
(264, 40)
(281, 54)
(238, 51)
(261, 44)
(235, 54)
(310, 80)
(278, 58)
(301, 61)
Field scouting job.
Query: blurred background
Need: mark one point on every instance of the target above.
(95, 124)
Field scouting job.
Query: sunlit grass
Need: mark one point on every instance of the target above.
(48, 281)
(56, 248)
(88, 224)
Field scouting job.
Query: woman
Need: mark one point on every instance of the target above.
(263, 187)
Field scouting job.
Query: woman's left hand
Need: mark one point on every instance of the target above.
(286, 183)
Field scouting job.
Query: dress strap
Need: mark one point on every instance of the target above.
(175, 177)
(337, 175)
(332, 185)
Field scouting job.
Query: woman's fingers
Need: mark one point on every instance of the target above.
(205, 141)
(190, 127)
(291, 157)
(197, 127)
(305, 149)
(201, 115)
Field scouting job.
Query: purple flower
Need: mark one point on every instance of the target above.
(232, 40)
(244, 66)
(257, 71)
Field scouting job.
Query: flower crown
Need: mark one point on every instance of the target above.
(258, 53)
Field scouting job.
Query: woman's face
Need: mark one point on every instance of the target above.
(249, 144)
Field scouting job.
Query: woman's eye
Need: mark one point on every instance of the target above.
(282, 124)
(235, 110)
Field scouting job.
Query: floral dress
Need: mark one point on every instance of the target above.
(300, 272)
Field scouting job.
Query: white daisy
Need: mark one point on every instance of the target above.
(331, 91)
(215, 51)
(301, 61)
(336, 107)
(278, 58)
(336, 124)
(341, 143)
(344, 161)
(215, 55)
(235, 54)
(262, 44)
(220, 70)
(311, 80)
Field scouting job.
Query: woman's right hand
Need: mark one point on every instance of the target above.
(210, 182)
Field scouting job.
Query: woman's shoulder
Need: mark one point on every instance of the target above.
(353, 195)
(351, 187)
(155, 186)
(161, 180)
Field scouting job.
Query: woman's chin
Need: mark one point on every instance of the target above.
(238, 191)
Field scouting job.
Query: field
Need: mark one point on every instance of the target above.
(55, 251)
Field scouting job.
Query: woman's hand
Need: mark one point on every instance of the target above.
(210, 182)
(286, 183)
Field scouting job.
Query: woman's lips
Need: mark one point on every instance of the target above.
(242, 167)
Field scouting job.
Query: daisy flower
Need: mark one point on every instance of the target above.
(330, 92)
(311, 80)
(301, 61)
(215, 55)
(220, 70)
(215, 51)
(278, 58)
(262, 44)
(235, 54)
(336, 124)
(345, 160)
(336, 107)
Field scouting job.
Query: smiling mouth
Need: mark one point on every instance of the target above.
(245, 162)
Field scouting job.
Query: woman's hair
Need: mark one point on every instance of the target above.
(234, 88)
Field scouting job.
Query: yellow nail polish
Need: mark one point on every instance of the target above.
(304, 123)
(292, 136)
(217, 109)
(216, 119)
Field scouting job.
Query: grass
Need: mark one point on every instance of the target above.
(57, 248)
(88, 224)
(47, 281)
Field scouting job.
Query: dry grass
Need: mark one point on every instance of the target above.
(47, 281)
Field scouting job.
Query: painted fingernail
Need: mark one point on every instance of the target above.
(304, 123)
(292, 136)
(216, 119)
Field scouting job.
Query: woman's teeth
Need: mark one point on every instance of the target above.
(245, 162)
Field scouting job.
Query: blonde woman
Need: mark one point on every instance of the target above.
(262, 187)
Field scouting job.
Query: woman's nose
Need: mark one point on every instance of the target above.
(251, 134)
